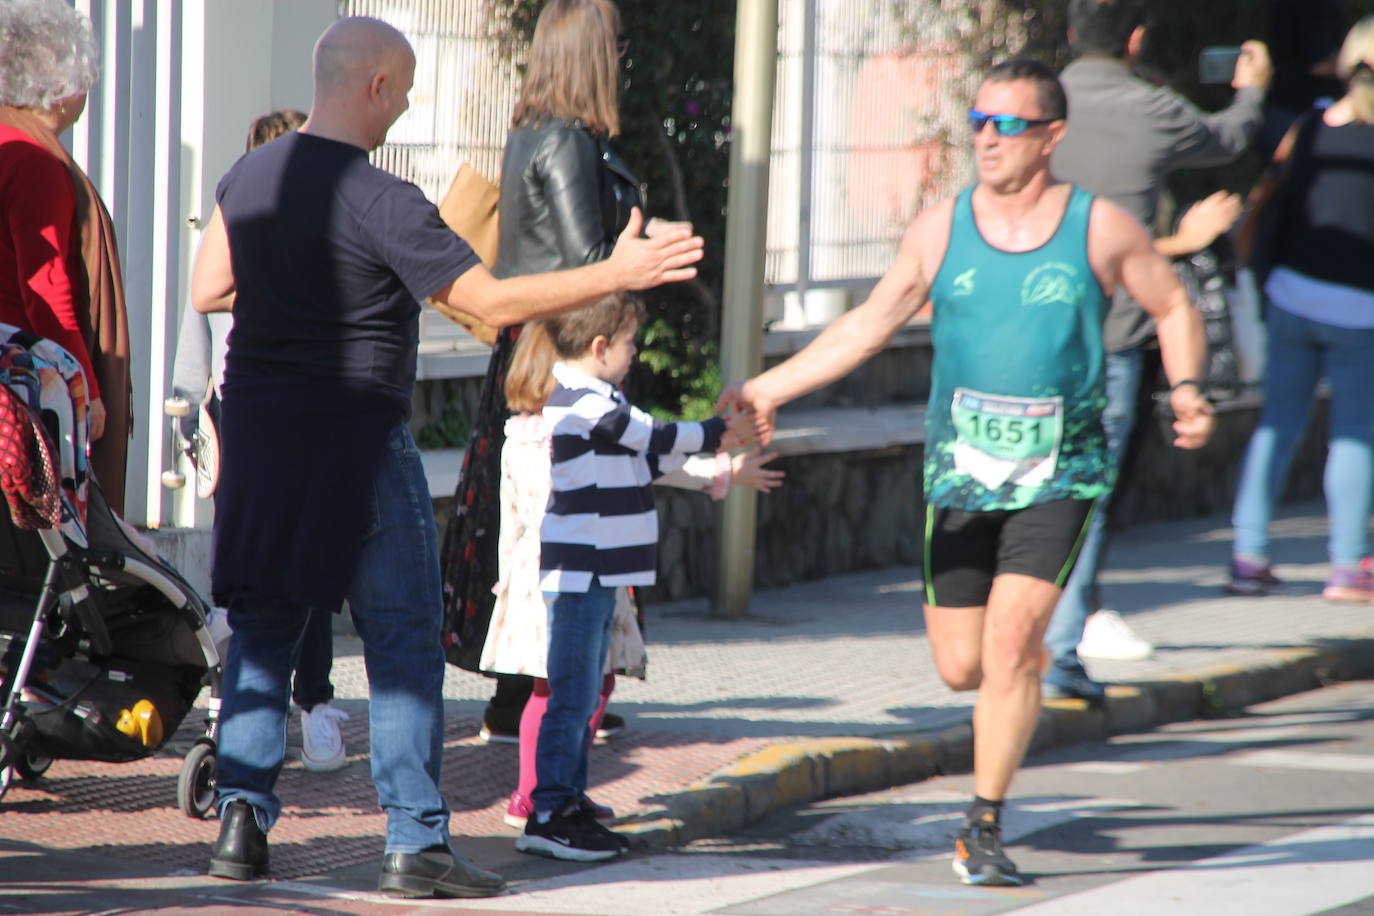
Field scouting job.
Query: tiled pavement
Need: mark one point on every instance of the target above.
(842, 657)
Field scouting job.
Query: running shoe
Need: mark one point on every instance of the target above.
(571, 835)
(519, 809)
(500, 726)
(1106, 635)
(1252, 579)
(978, 855)
(1350, 586)
(1062, 682)
(611, 725)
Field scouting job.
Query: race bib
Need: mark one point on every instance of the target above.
(1000, 440)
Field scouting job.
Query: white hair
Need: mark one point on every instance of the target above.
(47, 53)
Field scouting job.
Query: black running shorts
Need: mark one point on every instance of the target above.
(965, 550)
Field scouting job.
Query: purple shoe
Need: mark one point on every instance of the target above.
(1350, 586)
(1252, 579)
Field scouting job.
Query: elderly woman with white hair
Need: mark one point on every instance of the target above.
(1320, 314)
(59, 267)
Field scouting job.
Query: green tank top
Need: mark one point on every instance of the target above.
(1017, 389)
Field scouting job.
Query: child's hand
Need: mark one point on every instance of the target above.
(747, 470)
(739, 429)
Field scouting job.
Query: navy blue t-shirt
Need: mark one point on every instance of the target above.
(330, 257)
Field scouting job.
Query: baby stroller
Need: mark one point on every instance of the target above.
(103, 646)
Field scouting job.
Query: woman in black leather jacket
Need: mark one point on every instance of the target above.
(565, 198)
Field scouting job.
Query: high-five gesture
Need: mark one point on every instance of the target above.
(664, 257)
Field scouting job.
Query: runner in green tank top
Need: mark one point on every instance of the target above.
(1016, 396)
(1020, 265)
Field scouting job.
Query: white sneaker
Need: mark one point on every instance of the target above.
(322, 747)
(1107, 636)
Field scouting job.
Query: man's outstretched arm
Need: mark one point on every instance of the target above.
(635, 263)
(843, 346)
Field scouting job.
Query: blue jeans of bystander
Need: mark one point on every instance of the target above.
(1300, 352)
(396, 604)
(1080, 598)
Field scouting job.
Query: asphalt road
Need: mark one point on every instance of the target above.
(1270, 813)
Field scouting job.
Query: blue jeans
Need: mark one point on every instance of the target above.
(1301, 352)
(579, 641)
(396, 604)
(311, 685)
(1080, 598)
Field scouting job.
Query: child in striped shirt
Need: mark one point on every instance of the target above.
(600, 531)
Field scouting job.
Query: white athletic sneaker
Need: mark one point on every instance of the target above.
(322, 747)
(1107, 636)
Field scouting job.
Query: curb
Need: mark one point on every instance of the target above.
(793, 773)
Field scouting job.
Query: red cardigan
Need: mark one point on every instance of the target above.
(39, 257)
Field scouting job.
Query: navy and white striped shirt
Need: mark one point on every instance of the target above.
(601, 520)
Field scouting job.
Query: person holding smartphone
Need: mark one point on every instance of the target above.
(1125, 135)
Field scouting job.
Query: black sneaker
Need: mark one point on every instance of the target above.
(572, 835)
(500, 725)
(1072, 683)
(611, 725)
(589, 813)
(978, 855)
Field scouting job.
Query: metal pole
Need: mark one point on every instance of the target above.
(806, 153)
(751, 135)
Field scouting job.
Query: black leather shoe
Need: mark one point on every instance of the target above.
(436, 872)
(240, 853)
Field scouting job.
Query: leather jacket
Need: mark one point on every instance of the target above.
(565, 198)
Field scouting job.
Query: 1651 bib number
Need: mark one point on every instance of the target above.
(1005, 438)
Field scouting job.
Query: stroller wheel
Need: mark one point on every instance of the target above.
(30, 767)
(196, 784)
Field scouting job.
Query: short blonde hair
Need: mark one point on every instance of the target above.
(47, 53)
(573, 73)
(1358, 48)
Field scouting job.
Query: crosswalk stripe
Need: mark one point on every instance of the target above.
(1297, 875)
(669, 885)
(1304, 760)
(1107, 767)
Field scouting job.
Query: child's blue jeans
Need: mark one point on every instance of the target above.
(579, 641)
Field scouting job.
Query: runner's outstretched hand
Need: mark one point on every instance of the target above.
(741, 396)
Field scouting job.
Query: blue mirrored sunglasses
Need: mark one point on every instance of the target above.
(1005, 125)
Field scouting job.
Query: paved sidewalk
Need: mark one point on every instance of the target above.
(827, 689)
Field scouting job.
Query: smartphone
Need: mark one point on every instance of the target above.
(1217, 64)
